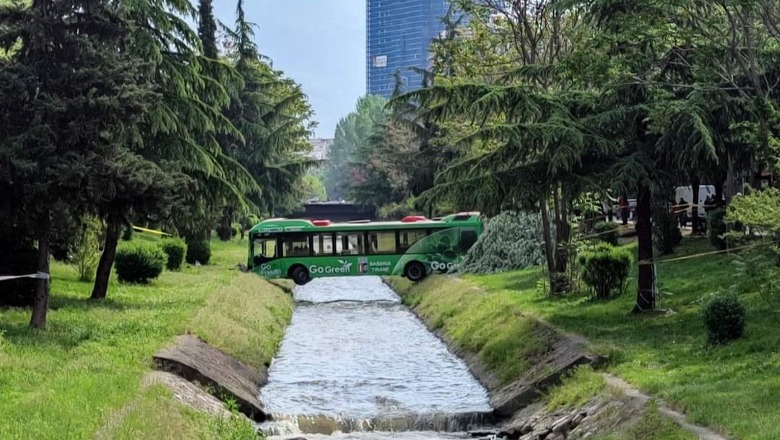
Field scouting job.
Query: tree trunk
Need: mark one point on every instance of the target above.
(113, 229)
(719, 183)
(549, 246)
(561, 233)
(225, 226)
(625, 210)
(41, 302)
(695, 183)
(732, 180)
(645, 296)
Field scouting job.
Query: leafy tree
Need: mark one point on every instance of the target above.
(352, 132)
(313, 188)
(381, 170)
(523, 142)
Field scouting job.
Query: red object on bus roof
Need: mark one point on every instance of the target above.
(413, 218)
(320, 222)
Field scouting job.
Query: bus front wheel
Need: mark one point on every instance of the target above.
(415, 271)
(300, 275)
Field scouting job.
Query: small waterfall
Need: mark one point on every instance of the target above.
(284, 425)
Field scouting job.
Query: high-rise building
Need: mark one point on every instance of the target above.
(398, 36)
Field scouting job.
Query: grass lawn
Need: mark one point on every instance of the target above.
(73, 378)
(734, 388)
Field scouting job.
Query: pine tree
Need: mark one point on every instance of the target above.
(67, 89)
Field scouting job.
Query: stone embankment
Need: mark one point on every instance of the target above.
(198, 362)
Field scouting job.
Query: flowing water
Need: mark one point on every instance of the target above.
(356, 362)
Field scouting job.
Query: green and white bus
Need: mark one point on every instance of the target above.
(413, 247)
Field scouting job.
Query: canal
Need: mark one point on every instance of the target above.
(356, 362)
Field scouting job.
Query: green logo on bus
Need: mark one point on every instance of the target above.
(346, 267)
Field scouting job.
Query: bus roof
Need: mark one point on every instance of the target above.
(283, 225)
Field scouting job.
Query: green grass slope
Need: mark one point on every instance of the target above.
(73, 378)
(734, 388)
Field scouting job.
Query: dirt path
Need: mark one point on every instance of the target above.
(700, 431)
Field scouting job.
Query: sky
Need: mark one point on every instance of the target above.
(318, 43)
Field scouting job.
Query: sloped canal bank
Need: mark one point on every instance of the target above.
(355, 360)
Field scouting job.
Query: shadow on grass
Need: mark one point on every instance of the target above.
(70, 302)
(55, 336)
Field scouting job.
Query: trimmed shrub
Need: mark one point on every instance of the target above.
(606, 232)
(198, 251)
(175, 248)
(512, 240)
(666, 230)
(605, 269)
(139, 262)
(127, 234)
(724, 318)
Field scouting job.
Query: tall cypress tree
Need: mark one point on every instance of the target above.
(207, 29)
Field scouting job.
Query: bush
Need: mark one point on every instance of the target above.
(198, 251)
(236, 229)
(224, 231)
(175, 249)
(666, 230)
(724, 318)
(139, 262)
(512, 240)
(127, 234)
(606, 232)
(605, 269)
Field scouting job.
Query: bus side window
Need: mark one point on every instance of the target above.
(467, 239)
(381, 242)
(407, 239)
(323, 244)
(296, 246)
(349, 243)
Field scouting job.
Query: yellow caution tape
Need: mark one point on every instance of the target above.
(703, 254)
(150, 231)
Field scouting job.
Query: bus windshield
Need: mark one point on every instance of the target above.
(414, 247)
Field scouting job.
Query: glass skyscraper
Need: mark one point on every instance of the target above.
(398, 35)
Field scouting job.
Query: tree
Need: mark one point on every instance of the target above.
(523, 140)
(312, 188)
(352, 132)
(207, 29)
(172, 163)
(380, 171)
(68, 88)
